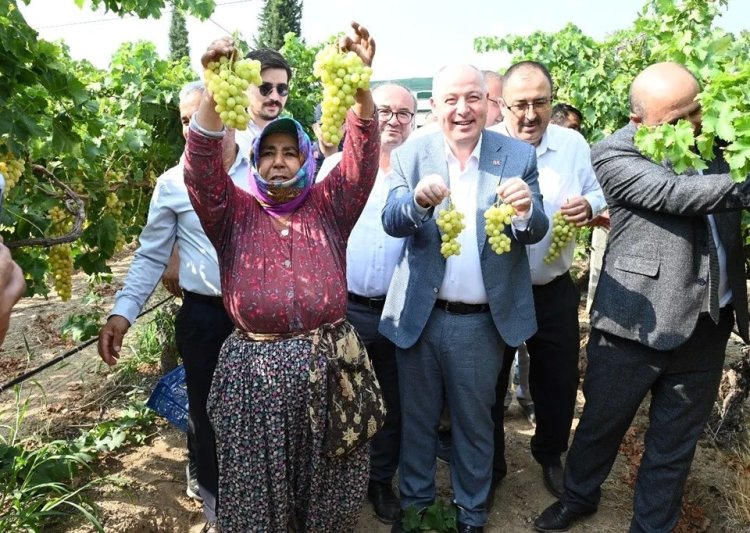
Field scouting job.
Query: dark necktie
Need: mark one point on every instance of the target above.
(713, 276)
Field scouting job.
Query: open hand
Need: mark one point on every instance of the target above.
(362, 44)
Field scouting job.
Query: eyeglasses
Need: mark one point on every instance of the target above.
(521, 108)
(266, 88)
(402, 116)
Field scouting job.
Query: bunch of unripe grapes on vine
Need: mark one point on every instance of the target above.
(113, 205)
(341, 75)
(562, 233)
(451, 223)
(228, 81)
(496, 218)
(61, 255)
(12, 169)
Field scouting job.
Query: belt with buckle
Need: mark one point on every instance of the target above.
(460, 308)
(372, 303)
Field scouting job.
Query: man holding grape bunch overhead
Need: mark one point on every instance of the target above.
(450, 319)
(571, 196)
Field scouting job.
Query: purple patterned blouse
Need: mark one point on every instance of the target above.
(292, 279)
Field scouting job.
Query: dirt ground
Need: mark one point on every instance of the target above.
(146, 487)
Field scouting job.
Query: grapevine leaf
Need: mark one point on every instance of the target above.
(412, 519)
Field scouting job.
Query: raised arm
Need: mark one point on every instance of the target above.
(631, 180)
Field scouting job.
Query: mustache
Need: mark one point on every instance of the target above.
(273, 102)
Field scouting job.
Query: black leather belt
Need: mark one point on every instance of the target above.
(372, 303)
(460, 308)
(215, 301)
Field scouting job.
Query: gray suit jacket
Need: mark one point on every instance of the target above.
(655, 271)
(420, 271)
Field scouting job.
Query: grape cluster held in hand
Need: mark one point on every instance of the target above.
(451, 223)
(562, 233)
(228, 82)
(497, 217)
(341, 75)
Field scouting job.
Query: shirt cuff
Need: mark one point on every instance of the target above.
(423, 212)
(521, 222)
(126, 308)
(597, 203)
(203, 131)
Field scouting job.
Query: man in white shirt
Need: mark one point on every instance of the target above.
(568, 184)
(202, 324)
(451, 318)
(267, 100)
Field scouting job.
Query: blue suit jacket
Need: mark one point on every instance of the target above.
(419, 274)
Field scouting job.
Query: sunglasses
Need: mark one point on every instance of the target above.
(267, 88)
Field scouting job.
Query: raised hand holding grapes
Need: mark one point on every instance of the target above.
(516, 192)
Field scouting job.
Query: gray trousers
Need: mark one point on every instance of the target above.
(683, 383)
(457, 359)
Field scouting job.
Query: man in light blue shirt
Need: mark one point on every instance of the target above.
(202, 324)
(568, 184)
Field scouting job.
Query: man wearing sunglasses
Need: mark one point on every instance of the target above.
(568, 184)
(267, 101)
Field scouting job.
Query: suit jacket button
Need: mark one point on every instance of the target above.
(701, 282)
(435, 290)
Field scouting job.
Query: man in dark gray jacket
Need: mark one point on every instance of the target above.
(671, 288)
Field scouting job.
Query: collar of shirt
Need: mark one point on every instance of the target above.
(452, 159)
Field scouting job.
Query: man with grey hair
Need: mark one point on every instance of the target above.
(202, 324)
(451, 318)
(671, 289)
(494, 82)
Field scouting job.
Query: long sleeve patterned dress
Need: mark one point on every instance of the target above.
(281, 281)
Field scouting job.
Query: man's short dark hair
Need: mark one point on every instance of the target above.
(270, 58)
(528, 65)
(561, 111)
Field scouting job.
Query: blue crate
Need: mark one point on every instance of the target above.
(170, 398)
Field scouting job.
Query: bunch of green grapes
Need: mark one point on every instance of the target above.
(12, 169)
(562, 233)
(497, 217)
(228, 80)
(114, 205)
(61, 255)
(451, 223)
(341, 75)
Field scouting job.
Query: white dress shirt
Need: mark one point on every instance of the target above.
(463, 280)
(171, 217)
(564, 163)
(371, 254)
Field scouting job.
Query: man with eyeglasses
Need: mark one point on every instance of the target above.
(494, 93)
(371, 258)
(568, 184)
(267, 100)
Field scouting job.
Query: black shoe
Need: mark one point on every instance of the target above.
(192, 490)
(553, 479)
(466, 528)
(557, 517)
(444, 446)
(385, 503)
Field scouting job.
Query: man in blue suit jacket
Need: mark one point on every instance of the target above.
(450, 319)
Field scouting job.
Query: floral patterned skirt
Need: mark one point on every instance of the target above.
(268, 413)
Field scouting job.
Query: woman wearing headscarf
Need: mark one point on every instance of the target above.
(282, 254)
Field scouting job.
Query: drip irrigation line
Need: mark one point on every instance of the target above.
(62, 357)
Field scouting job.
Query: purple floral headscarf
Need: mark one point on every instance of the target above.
(281, 199)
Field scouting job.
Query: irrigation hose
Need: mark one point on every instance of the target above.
(62, 357)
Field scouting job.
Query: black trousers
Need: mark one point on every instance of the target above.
(201, 328)
(553, 373)
(683, 383)
(386, 444)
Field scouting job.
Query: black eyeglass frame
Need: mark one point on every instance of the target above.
(400, 113)
(266, 88)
